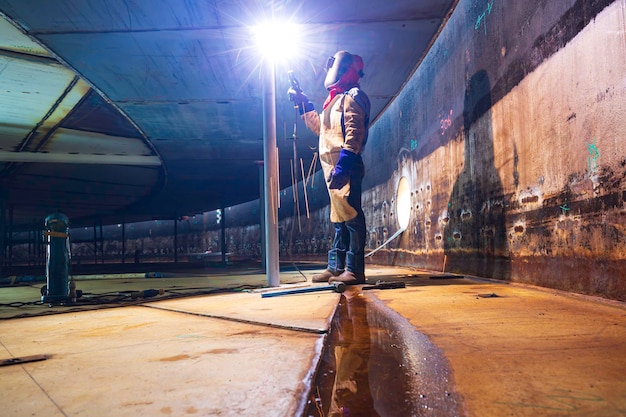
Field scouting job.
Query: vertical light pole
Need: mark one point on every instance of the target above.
(262, 211)
(270, 174)
(274, 38)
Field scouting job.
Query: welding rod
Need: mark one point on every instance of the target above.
(338, 287)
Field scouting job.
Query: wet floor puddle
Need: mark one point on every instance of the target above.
(376, 364)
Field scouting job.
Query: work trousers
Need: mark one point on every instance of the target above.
(348, 251)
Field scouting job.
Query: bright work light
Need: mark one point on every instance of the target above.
(277, 40)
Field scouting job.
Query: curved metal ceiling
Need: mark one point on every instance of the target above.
(133, 110)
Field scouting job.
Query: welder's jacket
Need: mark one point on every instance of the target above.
(343, 124)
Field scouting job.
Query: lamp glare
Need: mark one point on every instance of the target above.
(274, 40)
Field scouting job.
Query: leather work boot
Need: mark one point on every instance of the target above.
(325, 276)
(349, 278)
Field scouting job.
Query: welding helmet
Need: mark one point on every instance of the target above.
(343, 68)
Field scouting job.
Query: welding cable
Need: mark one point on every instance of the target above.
(294, 173)
(306, 198)
(135, 296)
(18, 304)
(209, 290)
(296, 198)
(386, 242)
(294, 191)
(312, 167)
(120, 299)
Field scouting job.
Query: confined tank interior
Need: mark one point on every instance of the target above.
(139, 168)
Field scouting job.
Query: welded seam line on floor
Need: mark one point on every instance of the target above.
(244, 321)
(35, 382)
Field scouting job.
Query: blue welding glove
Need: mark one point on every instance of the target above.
(300, 101)
(341, 173)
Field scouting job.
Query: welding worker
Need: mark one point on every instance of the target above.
(342, 127)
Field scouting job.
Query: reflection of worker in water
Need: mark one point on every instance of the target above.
(351, 395)
(342, 128)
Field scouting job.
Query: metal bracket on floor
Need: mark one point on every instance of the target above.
(338, 287)
(23, 359)
(385, 285)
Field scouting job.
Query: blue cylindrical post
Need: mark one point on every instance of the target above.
(57, 240)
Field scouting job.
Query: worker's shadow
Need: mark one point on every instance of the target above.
(475, 240)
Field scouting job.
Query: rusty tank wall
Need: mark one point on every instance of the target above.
(511, 134)
(511, 138)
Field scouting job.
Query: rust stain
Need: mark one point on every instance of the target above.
(175, 358)
(530, 199)
(137, 403)
(246, 333)
(222, 350)
(135, 326)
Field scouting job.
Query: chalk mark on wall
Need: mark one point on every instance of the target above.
(483, 16)
(446, 123)
(594, 155)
